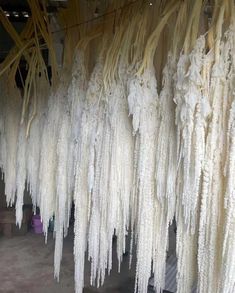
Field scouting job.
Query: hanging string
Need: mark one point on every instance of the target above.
(114, 11)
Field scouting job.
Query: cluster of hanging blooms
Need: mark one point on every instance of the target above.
(138, 130)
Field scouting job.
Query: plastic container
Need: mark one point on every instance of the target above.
(37, 224)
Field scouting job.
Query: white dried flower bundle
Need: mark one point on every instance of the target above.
(131, 158)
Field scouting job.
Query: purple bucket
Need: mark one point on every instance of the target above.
(37, 224)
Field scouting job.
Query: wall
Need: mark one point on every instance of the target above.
(27, 198)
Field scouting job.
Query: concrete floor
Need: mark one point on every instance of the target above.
(26, 266)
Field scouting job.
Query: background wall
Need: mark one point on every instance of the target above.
(27, 198)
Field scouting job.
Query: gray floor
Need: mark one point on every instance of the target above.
(26, 266)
